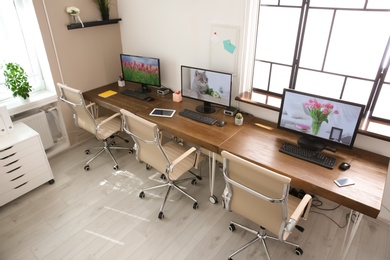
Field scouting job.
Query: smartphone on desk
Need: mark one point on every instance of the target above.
(344, 182)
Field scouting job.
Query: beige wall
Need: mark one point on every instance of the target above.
(87, 57)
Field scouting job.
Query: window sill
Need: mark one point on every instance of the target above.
(371, 128)
(38, 99)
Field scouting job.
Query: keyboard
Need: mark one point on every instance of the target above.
(209, 120)
(135, 94)
(308, 155)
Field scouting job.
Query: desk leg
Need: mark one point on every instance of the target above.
(213, 199)
(351, 235)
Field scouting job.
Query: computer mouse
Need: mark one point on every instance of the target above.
(344, 166)
(221, 123)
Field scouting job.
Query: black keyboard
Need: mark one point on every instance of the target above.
(135, 94)
(209, 120)
(308, 155)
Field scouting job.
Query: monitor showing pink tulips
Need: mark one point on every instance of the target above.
(322, 121)
(142, 70)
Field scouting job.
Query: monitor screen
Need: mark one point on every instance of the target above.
(322, 121)
(142, 70)
(211, 87)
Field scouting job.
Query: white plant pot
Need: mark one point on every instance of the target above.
(238, 121)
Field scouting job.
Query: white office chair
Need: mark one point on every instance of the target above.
(86, 117)
(262, 196)
(170, 159)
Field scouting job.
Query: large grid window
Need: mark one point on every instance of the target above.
(20, 42)
(334, 48)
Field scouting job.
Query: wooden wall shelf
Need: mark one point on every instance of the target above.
(93, 23)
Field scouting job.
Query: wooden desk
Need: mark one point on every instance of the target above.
(259, 142)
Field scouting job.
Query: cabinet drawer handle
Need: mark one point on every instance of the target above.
(14, 169)
(17, 177)
(7, 156)
(6, 149)
(11, 163)
(17, 187)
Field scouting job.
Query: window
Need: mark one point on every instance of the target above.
(334, 48)
(20, 43)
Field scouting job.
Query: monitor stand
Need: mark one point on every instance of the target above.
(206, 108)
(145, 88)
(311, 143)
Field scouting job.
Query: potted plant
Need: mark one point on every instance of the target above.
(16, 80)
(104, 7)
(239, 119)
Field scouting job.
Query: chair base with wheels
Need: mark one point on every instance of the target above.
(171, 186)
(107, 147)
(261, 236)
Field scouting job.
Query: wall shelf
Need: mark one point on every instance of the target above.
(93, 23)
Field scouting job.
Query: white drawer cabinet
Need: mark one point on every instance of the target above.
(23, 163)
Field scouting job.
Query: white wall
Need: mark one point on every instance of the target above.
(178, 32)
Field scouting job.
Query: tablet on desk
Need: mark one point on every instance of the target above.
(162, 112)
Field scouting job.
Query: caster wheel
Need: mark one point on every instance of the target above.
(87, 151)
(195, 206)
(232, 227)
(194, 182)
(230, 258)
(148, 167)
(113, 144)
(51, 181)
(116, 167)
(213, 199)
(142, 195)
(86, 168)
(223, 204)
(127, 141)
(131, 151)
(161, 215)
(163, 177)
(298, 251)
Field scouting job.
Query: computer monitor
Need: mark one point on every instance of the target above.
(322, 121)
(211, 87)
(142, 70)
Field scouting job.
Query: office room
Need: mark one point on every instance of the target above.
(98, 213)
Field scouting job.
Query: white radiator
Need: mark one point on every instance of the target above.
(39, 123)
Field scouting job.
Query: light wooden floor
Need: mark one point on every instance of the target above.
(98, 215)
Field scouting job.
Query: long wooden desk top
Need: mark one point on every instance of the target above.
(209, 137)
(259, 142)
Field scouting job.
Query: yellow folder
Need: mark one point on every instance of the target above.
(107, 93)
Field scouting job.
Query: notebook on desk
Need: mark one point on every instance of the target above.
(107, 93)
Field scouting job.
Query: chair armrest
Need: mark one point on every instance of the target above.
(107, 119)
(93, 108)
(304, 203)
(184, 155)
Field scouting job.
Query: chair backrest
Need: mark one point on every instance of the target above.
(75, 100)
(256, 193)
(147, 141)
